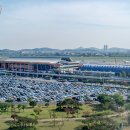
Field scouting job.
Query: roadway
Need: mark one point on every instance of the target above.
(71, 76)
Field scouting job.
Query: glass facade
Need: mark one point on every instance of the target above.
(24, 67)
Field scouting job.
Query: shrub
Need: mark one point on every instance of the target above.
(103, 113)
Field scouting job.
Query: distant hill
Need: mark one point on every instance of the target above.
(50, 51)
(114, 49)
(40, 50)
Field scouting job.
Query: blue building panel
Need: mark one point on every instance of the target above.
(105, 68)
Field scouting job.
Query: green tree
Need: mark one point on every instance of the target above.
(47, 104)
(23, 107)
(98, 123)
(69, 103)
(32, 103)
(22, 123)
(111, 101)
(4, 107)
(19, 107)
(105, 100)
(13, 108)
(119, 100)
(37, 110)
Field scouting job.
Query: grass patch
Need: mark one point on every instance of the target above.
(68, 125)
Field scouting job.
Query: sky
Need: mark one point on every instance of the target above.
(64, 23)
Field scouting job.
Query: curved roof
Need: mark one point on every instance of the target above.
(32, 60)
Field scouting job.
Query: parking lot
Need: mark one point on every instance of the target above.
(18, 88)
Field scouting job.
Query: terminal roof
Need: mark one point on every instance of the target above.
(32, 60)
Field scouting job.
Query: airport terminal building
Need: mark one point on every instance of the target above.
(28, 65)
(35, 66)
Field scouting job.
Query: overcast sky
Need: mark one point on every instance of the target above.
(64, 23)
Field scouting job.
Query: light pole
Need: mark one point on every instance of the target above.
(0, 9)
